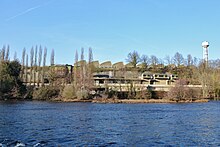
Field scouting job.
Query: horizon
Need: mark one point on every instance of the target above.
(111, 28)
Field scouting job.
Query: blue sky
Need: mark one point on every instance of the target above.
(112, 28)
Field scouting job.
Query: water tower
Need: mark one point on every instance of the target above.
(205, 46)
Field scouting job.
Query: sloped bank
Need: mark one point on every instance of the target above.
(66, 95)
(134, 101)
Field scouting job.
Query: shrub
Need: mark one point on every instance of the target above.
(82, 95)
(11, 85)
(29, 92)
(144, 94)
(181, 92)
(46, 93)
(69, 92)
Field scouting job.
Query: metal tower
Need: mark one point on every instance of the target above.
(205, 46)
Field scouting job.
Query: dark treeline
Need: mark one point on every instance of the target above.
(26, 78)
(18, 77)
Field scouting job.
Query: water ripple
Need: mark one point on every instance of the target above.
(41, 124)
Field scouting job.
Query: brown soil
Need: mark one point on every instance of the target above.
(129, 101)
(133, 101)
(70, 100)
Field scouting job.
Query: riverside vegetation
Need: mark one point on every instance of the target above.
(15, 83)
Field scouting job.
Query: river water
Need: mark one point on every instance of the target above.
(87, 124)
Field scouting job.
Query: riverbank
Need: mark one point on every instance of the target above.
(130, 101)
(115, 100)
(134, 101)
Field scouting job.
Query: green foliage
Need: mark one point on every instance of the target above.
(111, 94)
(14, 68)
(11, 85)
(46, 93)
(69, 92)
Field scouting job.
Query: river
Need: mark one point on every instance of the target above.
(32, 123)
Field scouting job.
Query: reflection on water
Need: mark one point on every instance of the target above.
(86, 124)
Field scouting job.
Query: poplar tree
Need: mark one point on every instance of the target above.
(3, 54)
(52, 58)
(23, 64)
(39, 66)
(31, 64)
(52, 67)
(44, 65)
(82, 69)
(26, 69)
(35, 64)
(90, 55)
(89, 82)
(7, 54)
(75, 71)
(15, 56)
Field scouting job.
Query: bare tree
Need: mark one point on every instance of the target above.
(178, 59)
(90, 55)
(133, 58)
(82, 54)
(89, 82)
(52, 74)
(168, 60)
(203, 75)
(76, 71)
(44, 65)
(214, 78)
(52, 58)
(189, 60)
(35, 56)
(76, 57)
(31, 64)
(39, 66)
(15, 56)
(208, 78)
(7, 53)
(3, 54)
(145, 61)
(154, 60)
(23, 64)
(181, 92)
(195, 61)
(82, 69)
(26, 69)
(35, 64)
